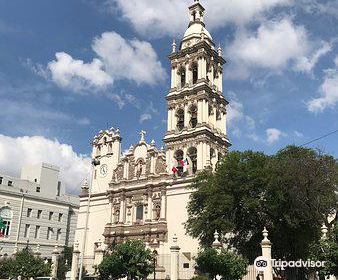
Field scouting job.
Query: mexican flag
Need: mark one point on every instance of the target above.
(2, 227)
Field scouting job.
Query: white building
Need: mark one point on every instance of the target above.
(137, 195)
(36, 211)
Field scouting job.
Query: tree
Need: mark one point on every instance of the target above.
(65, 262)
(291, 193)
(129, 259)
(23, 263)
(327, 250)
(226, 264)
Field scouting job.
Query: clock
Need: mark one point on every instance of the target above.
(103, 170)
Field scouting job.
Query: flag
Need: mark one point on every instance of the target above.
(174, 169)
(184, 162)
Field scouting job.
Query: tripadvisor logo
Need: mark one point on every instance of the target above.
(261, 263)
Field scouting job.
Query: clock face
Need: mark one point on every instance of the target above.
(103, 170)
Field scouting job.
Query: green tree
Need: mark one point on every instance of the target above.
(65, 262)
(23, 263)
(327, 250)
(291, 193)
(226, 264)
(129, 259)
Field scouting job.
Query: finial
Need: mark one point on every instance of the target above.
(219, 50)
(175, 238)
(265, 235)
(324, 231)
(202, 34)
(216, 242)
(152, 143)
(117, 132)
(143, 133)
(76, 245)
(131, 148)
(174, 46)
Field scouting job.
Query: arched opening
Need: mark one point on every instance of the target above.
(210, 110)
(194, 15)
(194, 73)
(179, 158)
(182, 76)
(140, 167)
(180, 119)
(192, 154)
(6, 217)
(193, 116)
(212, 153)
(218, 115)
(139, 213)
(157, 212)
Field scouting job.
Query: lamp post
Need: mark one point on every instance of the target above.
(95, 162)
(155, 254)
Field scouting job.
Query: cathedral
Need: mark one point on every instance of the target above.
(143, 193)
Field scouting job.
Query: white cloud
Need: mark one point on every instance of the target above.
(77, 75)
(298, 134)
(273, 135)
(170, 17)
(21, 151)
(275, 45)
(118, 59)
(144, 117)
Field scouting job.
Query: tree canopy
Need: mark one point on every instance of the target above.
(130, 259)
(25, 264)
(291, 193)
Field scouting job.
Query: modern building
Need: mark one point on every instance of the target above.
(144, 192)
(36, 211)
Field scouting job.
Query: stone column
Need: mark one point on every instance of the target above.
(200, 156)
(187, 74)
(163, 204)
(186, 115)
(169, 128)
(55, 261)
(173, 70)
(150, 202)
(200, 111)
(122, 209)
(174, 259)
(199, 63)
(75, 261)
(99, 253)
(266, 252)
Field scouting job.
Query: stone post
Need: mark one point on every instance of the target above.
(55, 261)
(174, 261)
(99, 253)
(15, 250)
(37, 252)
(266, 252)
(163, 205)
(75, 261)
(216, 244)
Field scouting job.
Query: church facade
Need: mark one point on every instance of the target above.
(144, 192)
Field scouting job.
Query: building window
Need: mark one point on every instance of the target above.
(58, 234)
(218, 115)
(139, 212)
(60, 217)
(185, 265)
(27, 230)
(58, 189)
(35, 180)
(10, 183)
(39, 214)
(194, 73)
(192, 153)
(6, 217)
(37, 232)
(29, 212)
(179, 158)
(182, 75)
(193, 116)
(180, 119)
(38, 189)
(1, 179)
(49, 233)
(51, 216)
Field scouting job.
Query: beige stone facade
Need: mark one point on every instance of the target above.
(137, 195)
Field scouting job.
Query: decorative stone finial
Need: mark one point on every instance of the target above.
(143, 139)
(265, 235)
(15, 250)
(174, 46)
(216, 243)
(76, 245)
(55, 251)
(175, 238)
(219, 50)
(324, 231)
(37, 251)
(117, 132)
(152, 143)
(85, 188)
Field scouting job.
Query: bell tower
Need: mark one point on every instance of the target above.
(196, 125)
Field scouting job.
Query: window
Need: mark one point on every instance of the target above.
(180, 119)
(58, 234)
(58, 189)
(60, 217)
(185, 265)
(139, 212)
(179, 158)
(218, 115)
(194, 74)
(27, 230)
(182, 75)
(35, 180)
(1, 179)
(192, 153)
(50, 216)
(39, 214)
(10, 183)
(38, 189)
(193, 116)
(6, 217)
(210, 110)
(29, 212)
(37, 232)
(49, 233)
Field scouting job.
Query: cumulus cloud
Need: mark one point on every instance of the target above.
(170, 17)
(328, 91)
(274, 135)
(117, 59)
(21, 151)
(144, 117)
(275, 45)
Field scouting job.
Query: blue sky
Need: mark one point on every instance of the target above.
(70, 68)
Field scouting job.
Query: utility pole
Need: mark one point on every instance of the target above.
(20, 215)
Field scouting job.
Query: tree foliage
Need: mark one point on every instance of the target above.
(130, 259)
(65, 262)
(23, 263)
(226, 264)
(291, 193)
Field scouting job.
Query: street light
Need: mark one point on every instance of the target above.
(155, 254)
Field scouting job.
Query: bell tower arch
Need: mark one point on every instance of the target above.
(196, 124)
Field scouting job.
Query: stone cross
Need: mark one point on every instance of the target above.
(142, 133)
